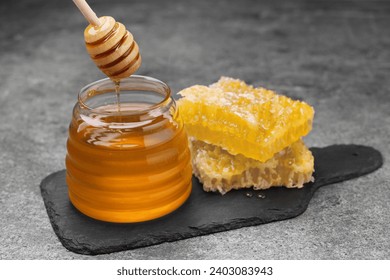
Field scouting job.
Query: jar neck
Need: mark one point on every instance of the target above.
(136, 99)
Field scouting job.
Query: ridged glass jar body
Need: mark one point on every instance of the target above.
(127, 163)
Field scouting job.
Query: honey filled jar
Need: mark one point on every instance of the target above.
(127, 153)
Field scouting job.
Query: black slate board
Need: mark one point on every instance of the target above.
(203, 213)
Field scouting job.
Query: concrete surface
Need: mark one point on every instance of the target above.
(333, 54)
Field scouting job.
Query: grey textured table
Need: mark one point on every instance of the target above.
(333, 54)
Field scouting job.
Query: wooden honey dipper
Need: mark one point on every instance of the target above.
(109, 44)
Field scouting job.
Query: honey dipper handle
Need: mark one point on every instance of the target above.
(88, 13)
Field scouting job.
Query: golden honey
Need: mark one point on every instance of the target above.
(129, 163)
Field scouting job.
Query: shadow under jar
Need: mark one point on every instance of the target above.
(127, 163)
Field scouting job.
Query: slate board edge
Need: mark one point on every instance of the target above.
(51, 215)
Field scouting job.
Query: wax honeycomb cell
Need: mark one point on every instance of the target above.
(220, 171)
(254, 122)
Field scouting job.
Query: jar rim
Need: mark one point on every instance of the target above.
(159, 87)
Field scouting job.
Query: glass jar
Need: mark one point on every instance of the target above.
(128, 158)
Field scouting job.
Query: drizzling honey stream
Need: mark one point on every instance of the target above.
(118, 96)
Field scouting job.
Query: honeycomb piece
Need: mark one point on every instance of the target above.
(220, 171)
(254, 122)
